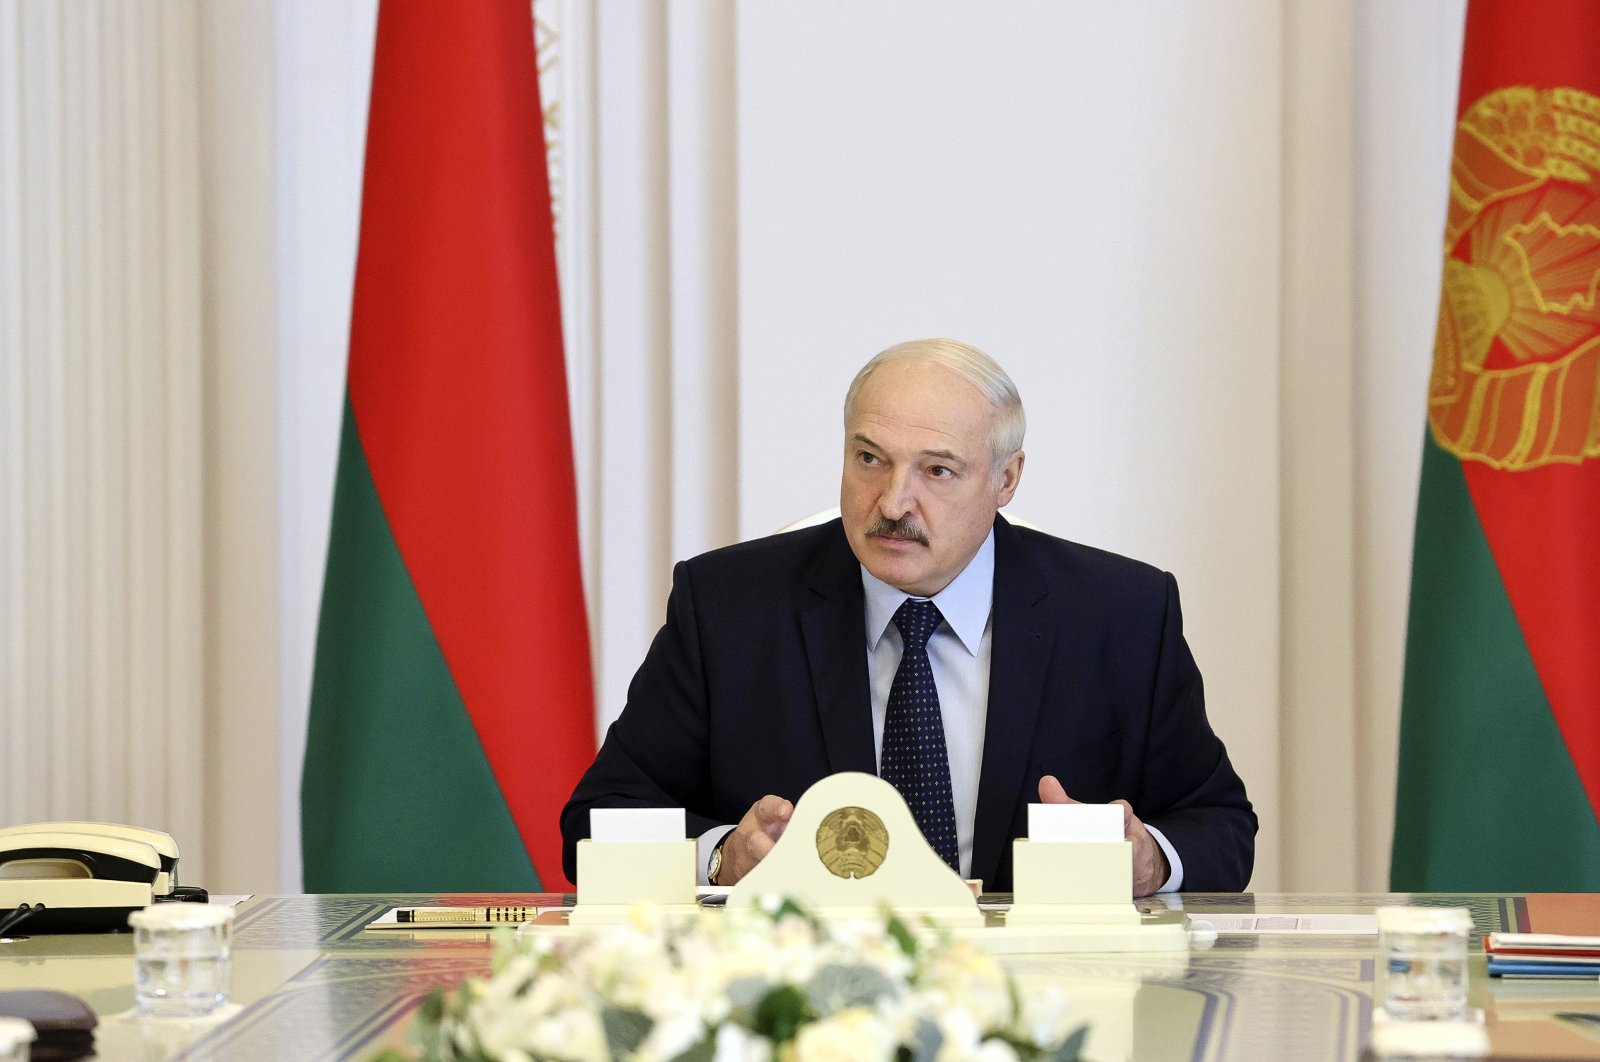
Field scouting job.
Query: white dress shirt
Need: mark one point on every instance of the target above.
(959, 652)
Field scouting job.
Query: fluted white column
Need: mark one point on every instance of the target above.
(655, 266)
(101, 665)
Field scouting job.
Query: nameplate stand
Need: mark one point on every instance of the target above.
(616, 875)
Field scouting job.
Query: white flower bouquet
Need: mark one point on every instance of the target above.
(773, 986)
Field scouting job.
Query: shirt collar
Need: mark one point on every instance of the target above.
(964, 604)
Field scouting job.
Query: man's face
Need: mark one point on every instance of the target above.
(919, 493)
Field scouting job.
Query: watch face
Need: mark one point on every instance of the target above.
(716, 865)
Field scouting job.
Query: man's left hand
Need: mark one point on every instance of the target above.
(1150, 867)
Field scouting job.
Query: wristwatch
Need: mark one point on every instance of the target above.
(714, 864)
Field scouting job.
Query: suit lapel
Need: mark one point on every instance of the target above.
(1022, 637)
(833, 627)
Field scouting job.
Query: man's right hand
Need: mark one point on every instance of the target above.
(749, 842)
(1150, 867)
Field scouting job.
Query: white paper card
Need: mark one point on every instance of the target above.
(1351, 925)
(1074, 822)
(635, 825)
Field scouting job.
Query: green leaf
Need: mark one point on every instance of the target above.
(704, 1051)
(744, 993)
(1071, 1047)
(432, 1010)
(787, 906)
(901, 934)
(926, 1039)
(625, 1030)
(837, 986)
(780, 1014)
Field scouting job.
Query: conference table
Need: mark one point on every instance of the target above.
(311, 982)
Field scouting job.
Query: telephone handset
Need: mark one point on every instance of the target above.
(84, 877)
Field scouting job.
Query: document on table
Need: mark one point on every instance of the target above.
(1357, 925)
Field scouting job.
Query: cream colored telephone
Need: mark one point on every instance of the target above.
(84, 877)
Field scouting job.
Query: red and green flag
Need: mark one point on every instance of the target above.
(1499, 780)
(452, 704)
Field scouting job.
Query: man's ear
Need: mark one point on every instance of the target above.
(1010, 476)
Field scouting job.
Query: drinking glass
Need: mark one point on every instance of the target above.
(1422, 962)
(182, 958)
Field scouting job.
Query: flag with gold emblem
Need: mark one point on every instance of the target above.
(1499, 780)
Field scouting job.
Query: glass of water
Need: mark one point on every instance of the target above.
(182, 958)
(1422, 962)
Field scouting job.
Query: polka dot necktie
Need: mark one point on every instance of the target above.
(914, 758)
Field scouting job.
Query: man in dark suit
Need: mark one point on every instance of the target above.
(976, 665)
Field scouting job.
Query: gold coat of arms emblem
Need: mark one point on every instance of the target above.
(1516, 364)
(852, 842)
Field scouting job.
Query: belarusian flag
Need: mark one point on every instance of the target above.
(1500, 733)
(452, 708)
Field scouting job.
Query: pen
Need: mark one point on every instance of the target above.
(421, 915)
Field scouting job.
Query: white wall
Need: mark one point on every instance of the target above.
(1087, 194)
(320, 80)
(1409, 66)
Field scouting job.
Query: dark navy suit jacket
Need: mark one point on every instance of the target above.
(757, 684)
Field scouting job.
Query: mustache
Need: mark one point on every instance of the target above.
(885, 528)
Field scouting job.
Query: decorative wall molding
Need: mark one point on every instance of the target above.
(651, 304)
(564, 31)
